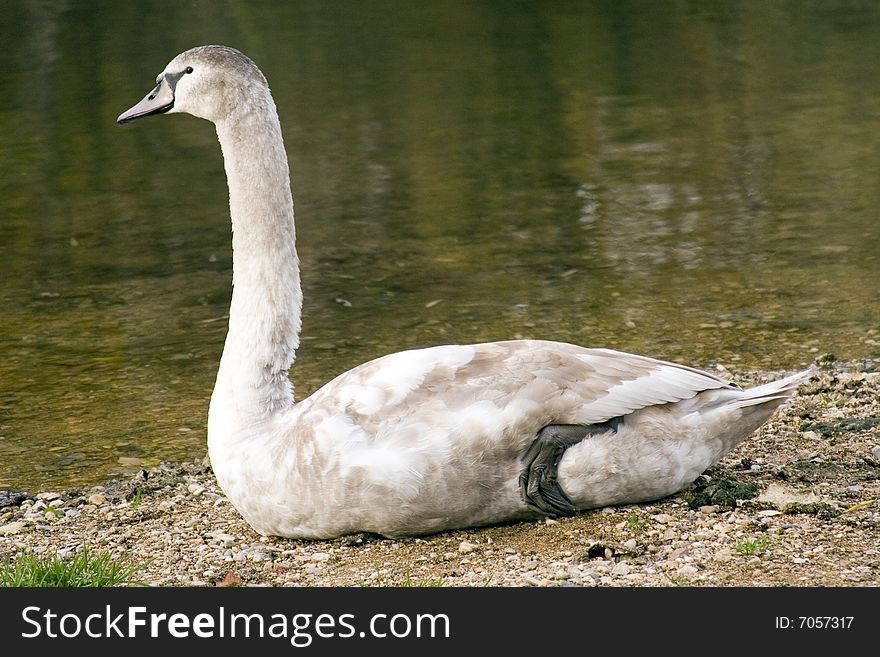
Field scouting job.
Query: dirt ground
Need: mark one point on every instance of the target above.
(797, 504)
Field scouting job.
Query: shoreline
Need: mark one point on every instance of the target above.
(797, 504)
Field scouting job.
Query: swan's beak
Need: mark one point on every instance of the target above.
(158, 101)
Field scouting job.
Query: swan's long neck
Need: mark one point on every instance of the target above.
(264, 316)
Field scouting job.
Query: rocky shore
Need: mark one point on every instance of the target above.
(797, 504)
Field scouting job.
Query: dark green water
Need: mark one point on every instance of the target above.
(696, 181)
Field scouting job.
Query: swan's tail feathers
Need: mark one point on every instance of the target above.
(735, 414)
(773, 393)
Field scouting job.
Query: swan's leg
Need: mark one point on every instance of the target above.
(537, 482)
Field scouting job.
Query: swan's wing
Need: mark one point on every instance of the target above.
(622, 383)
(525, 384)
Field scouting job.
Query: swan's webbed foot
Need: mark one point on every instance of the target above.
(538, 482)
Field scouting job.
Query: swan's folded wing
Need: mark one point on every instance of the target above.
(532, 381)
(622, 383)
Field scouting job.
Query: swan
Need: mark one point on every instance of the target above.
(424, 440)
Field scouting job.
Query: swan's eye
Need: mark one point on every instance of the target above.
(188, 69)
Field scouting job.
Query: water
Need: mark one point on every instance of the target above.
(695, 181)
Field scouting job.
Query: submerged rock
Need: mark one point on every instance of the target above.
(12, 498)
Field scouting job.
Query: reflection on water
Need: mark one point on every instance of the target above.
(694, 181)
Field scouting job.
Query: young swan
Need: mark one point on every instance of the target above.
(430, 439)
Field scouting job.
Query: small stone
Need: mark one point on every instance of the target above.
(620, 569)
(231, 579)
(709, 509)
(466, 547)
(723, 555)
(630, 544)
(12, 528)
(319, 556)
(875, 452)
(96, 499)
(48, 496)
(686, 571)
(195, 489)
(769, 513)
(662, 518)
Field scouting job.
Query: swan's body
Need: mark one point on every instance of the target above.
(431, 439)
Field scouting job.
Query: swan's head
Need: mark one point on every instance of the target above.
(210, 82)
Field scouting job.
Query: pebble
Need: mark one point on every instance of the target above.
(875, 452)
(12, 528)
(96, 499)
(466, 547)
(319, 556)
(620, 569)
(723, 555)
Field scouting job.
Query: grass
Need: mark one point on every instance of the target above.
(636, 524)
(748, 547)
(426, 582)
(678, 580)
(409, 582)
(82, 569)
(138, 498)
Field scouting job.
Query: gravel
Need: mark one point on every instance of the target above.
(797, 504)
